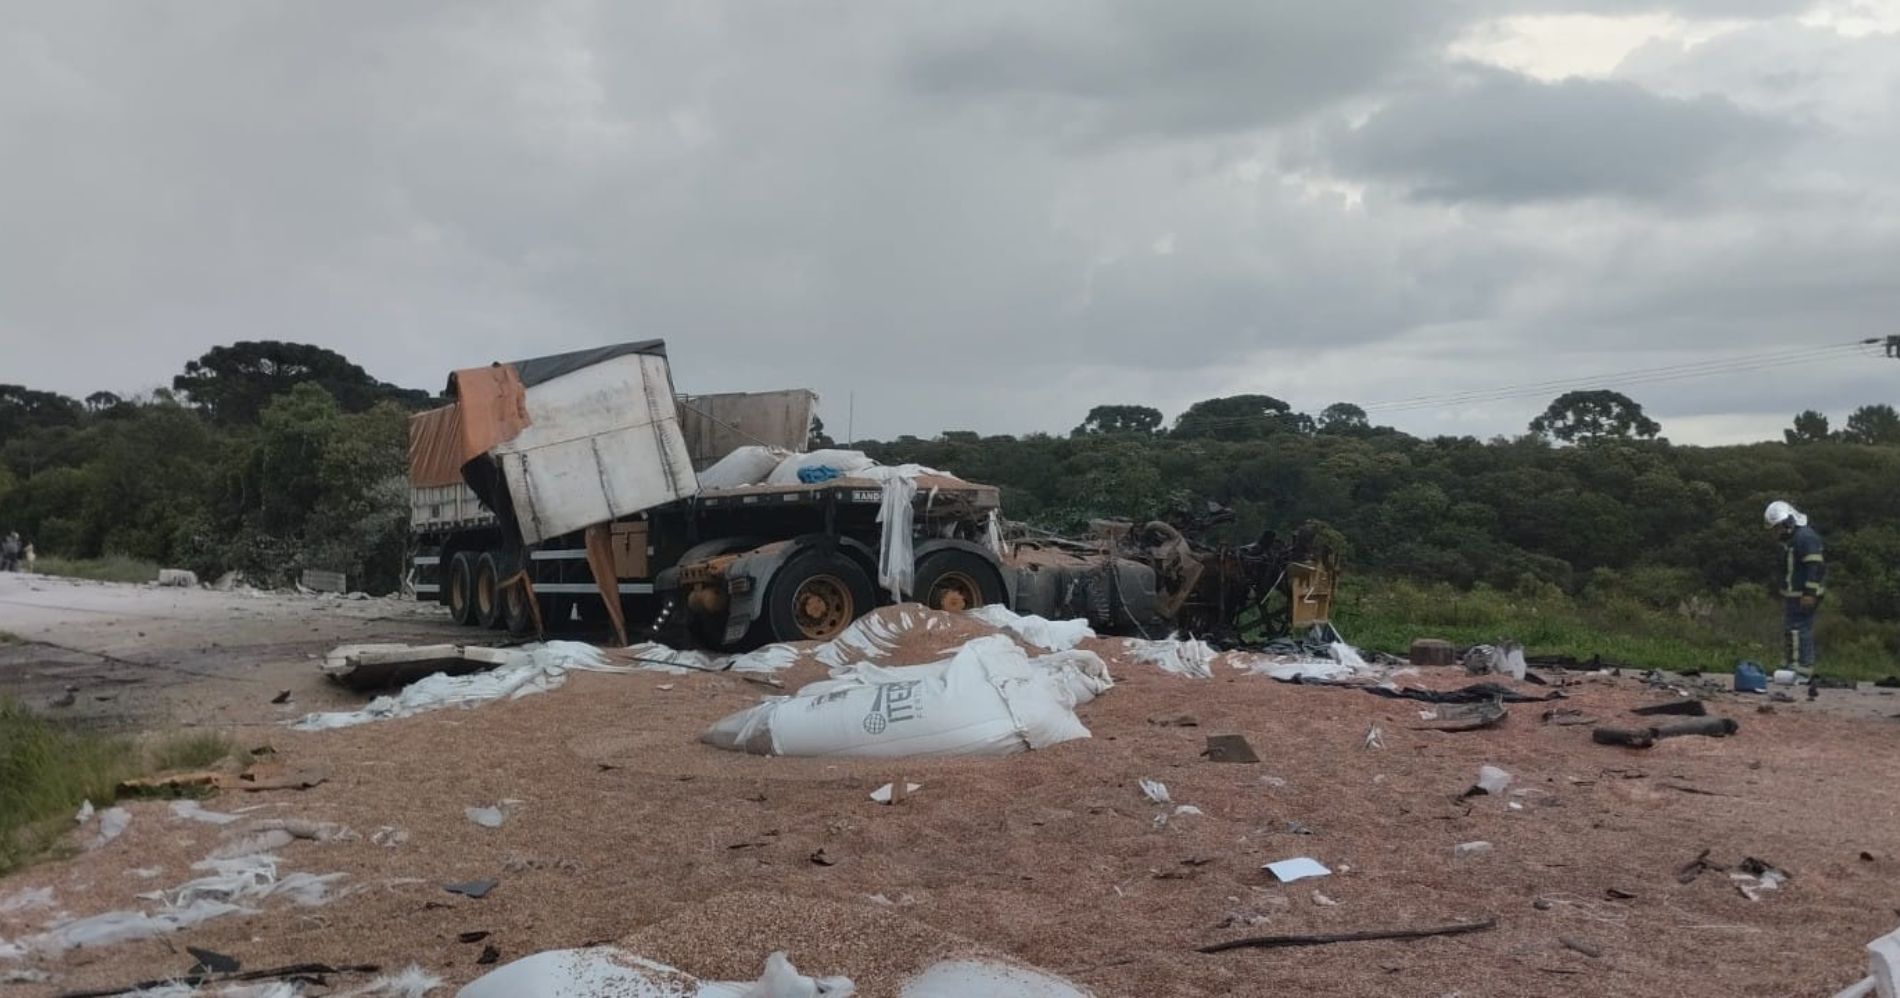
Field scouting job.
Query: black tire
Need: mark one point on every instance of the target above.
(488, 579)
(958, 580)
(460, 587)
(517, 610)
(833, 580)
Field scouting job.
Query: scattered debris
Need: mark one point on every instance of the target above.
(1287, 871)
(1503, 659)
(191, 810)
(282, 697)
(1714, 727)
(1618, 895)
(889, 794)
(490, 817)
(1175, 721)
(1690, 706)
(1466, 717)
(472, 937)
(255, 844)
(1491, 780)
(1466, 850)
(389, 836)
(1756, 878)
(476, 889)
(113, 822)
(1156, 791)
(1229, 748)
(1273, 942)
(1296, 828)
(1323, 901)
(820, 858)
(1475, 693)
(293, 972)
(1696, 868)
(1567, 716)
(1589, 949)
(1375, 739)
(212, 962)
(490, 955)
(200, 783)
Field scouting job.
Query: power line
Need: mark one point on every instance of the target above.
(1517, 392)
(1637, 376)
(1686, 368)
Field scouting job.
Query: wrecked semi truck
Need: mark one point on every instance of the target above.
(583, 486)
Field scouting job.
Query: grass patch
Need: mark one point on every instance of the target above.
(110, 568)
(1703, 633)
(198, 750)
(10, 638)
(46, 770)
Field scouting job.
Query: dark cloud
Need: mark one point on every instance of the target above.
(1089, 70)
(1499, 137)
(978, 215)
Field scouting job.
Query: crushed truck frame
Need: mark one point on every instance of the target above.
(565, 487)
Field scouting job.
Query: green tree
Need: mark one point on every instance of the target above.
(1119, 419)
(1234, 417)
(232, 384)
(1872, 424)
(23, 408)
(1810, 427)
(1344, 418)
(1584, 416)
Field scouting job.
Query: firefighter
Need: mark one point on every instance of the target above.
(1803, 584)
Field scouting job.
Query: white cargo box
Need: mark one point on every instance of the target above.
(602, 442)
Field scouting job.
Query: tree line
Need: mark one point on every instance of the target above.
(262, 457)
(270, 457)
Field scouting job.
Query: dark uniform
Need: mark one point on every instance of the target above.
(1805, 575)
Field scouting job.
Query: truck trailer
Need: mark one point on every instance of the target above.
(567, 489)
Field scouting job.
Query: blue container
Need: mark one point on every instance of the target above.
(1749, 678)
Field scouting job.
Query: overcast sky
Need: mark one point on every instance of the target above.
(971, 215)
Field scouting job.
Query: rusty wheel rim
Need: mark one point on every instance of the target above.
(485, 594)
(822, 606)
(955, 592)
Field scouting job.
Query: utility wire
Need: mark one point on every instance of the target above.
(1783, 358)
(1773, 356)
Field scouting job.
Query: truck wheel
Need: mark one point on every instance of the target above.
(817, 595)
(958, 580)
(516, 615)
(488, 577)
(461, 585)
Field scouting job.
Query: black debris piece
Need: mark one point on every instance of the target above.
(472, 937)
(1475, 693)
(1688, 706)
(212, 962)
(1229, 748)
(489, 955)
(282, 697)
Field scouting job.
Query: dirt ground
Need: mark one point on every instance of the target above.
(630, 830)
(160, 657)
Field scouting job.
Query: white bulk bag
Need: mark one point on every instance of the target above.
(746, 466)
(1079, 675)
(846, 461)
(608, 970)
(989, 700)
